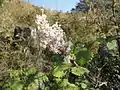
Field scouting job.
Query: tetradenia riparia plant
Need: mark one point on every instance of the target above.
(52, 37)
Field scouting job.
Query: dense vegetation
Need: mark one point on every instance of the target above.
(43, 49)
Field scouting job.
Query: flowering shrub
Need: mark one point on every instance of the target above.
(52, 37)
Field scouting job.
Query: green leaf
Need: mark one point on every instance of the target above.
(83, 56)
(59, 70)
(72, 85)
(28, 71)
(31, 71)
(17, 86)
(86, 54)
(83, 85)
(82, 61)
(78, 71)
(59, 74)
(112, 45)
(62, 67)
(32, 86)
(58, 80)
(64, 83)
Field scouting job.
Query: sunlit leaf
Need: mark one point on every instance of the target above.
(78, 71)
(64, 83)
(30, 71)
(17, 86)
(83, 85)
(59, 70)
(112, 45)
(62, 67)
(58, 74)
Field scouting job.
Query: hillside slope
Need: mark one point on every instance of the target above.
(76, 25)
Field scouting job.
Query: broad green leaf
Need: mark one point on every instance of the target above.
(78, 71)
(64, 83)
(58, 80)
(83, 56)
(86, 54)
(83, 85)
(59, 70)
(64, 66)
(82, 61)
(59, 74)
(72, 85)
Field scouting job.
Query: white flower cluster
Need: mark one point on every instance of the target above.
(51, 37)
